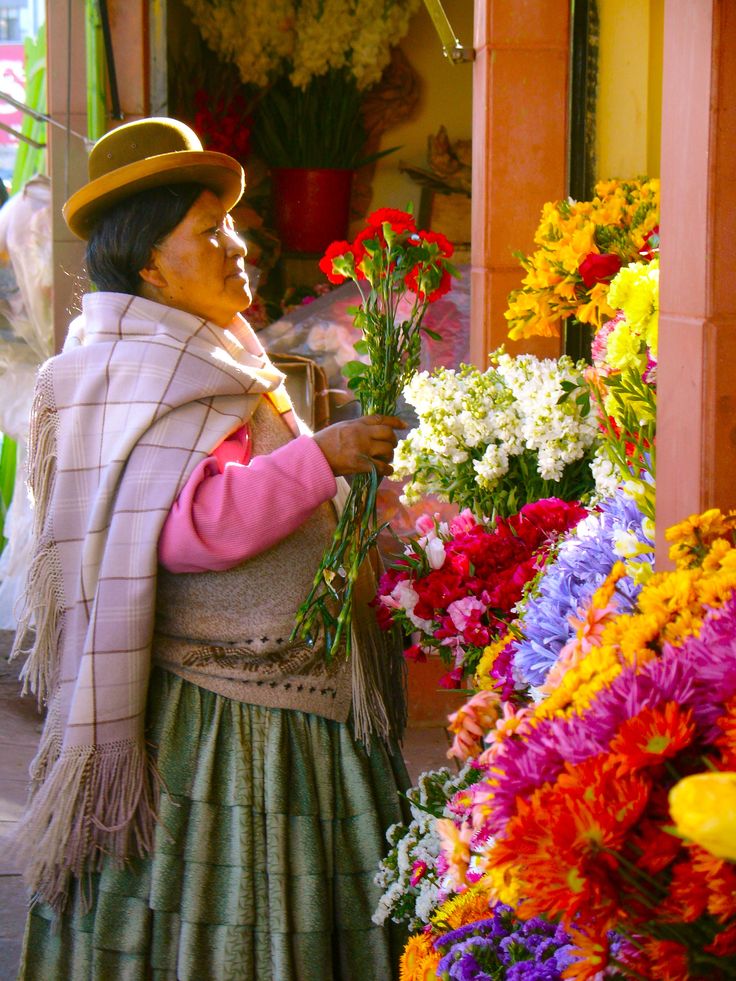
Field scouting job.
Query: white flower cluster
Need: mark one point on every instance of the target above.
(261, 36)
(473, 423)
(416, 847)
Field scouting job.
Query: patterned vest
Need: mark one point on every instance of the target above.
(229, 631)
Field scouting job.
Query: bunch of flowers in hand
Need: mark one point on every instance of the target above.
(581, 245)
(399, 271)
(494, 440)
(457, 585)
(575, 799)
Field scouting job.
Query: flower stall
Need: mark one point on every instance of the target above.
(588, 829)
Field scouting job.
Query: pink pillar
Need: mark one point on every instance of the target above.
(696, 426)
(520, 91)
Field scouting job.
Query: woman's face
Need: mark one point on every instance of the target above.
(199, 266)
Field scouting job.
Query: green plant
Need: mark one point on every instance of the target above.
(320, 125)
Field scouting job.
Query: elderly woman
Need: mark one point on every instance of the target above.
(202, 807)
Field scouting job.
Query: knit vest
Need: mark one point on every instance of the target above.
(229, 631)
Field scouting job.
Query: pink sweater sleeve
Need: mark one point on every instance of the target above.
(231, 509)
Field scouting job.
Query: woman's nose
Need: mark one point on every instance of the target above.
(235, 244)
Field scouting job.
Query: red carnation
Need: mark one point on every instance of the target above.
(334, 251)
(400, 221)
(597, 268)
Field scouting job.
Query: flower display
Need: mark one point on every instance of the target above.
(494, 440)
(571, 818)
(457, 584)
(412, 880)
(581, 246)
(550, 615)
(396, 267)
(305, 38)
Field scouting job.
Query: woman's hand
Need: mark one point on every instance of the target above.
(358, 445)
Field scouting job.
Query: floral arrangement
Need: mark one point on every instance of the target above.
(551, 616)
(581, 245)
(457, 585)
(411, 876)
(494, 440)
(269, 38)
(395, 266)
(623, 379)
(650, 701)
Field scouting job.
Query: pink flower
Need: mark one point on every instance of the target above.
(465, 522)
(466, 611)
(435, 552)
(418, 871)
(425, 524)
(455, 848)
(471, 722)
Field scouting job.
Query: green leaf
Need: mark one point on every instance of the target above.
(354, 368)
(361, 346)
(432, 333)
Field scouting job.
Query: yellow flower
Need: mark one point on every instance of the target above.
(467, 907)
(419, 960)
(703, 807)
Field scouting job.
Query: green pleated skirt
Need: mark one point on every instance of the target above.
(272, 825)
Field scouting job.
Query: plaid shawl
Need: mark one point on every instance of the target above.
(140, 394)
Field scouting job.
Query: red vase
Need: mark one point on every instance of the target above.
(311, 206)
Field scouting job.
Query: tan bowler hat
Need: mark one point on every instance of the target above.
(149, 153)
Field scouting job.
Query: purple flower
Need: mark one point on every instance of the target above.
(583, 560)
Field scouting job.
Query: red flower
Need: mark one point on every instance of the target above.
(444, 245)
(334, 251)
(413, 279)
(400, 221)
(415, 653)
(453, 679)
(597, 268)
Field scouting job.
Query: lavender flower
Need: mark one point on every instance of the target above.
(504, 947)
(581, 564)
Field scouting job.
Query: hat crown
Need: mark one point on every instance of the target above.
(140, 140)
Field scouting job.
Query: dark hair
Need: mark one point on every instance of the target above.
(121, 242)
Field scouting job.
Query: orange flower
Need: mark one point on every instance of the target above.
(419, 960)
(668, 960)
(653, 736)
(592, 951)
(455, 847)
(471, 722)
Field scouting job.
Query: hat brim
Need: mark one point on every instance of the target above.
(218, 172)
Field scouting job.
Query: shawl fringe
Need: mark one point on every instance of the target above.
(41, 613)
(379, 675)
(94, 803)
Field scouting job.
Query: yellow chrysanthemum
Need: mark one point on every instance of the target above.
(467, 907)
(419, 960)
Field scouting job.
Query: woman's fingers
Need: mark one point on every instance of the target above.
(358, 445)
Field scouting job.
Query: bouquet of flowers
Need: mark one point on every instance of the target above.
(623, 380)
(457, 584)
(581, 247)
(572, 820)
(304, 38)
(494, 440)
(399, 271)
(411, 877)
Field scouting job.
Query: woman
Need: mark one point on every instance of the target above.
(202, 808)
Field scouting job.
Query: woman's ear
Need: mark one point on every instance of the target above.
(151, 272)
